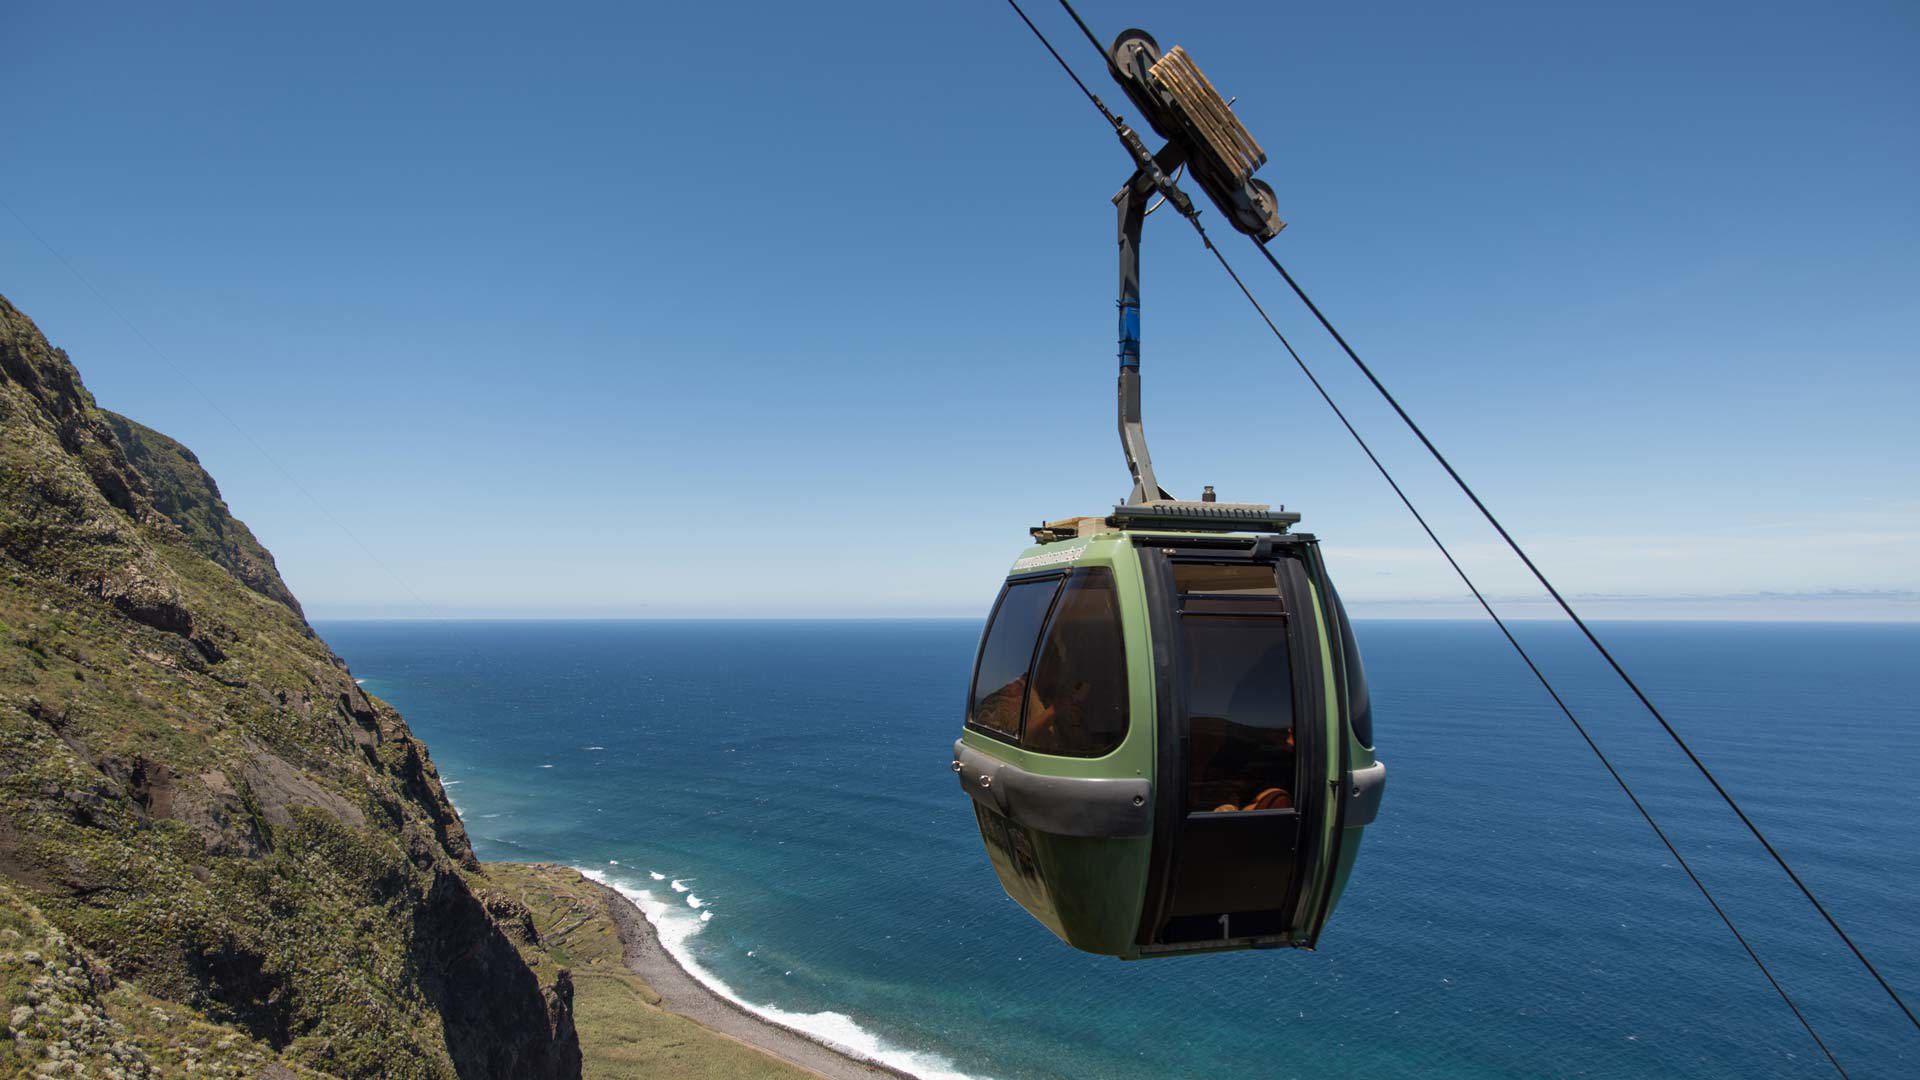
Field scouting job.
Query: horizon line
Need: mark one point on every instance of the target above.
(1904, 619)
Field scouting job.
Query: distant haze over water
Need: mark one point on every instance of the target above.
(1510, 915)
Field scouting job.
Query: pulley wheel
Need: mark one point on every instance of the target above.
(1132, 53)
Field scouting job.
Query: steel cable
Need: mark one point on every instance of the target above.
(1591, 637)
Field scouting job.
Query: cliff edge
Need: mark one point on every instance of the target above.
(214, 847)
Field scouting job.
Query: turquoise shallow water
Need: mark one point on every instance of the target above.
(1510, 916)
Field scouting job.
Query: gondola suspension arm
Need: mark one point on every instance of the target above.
(1130, 204)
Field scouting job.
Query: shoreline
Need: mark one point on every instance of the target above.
(685, 995)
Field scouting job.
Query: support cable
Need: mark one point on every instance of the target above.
(1066, 67)
(1591, 637)
(1535, 669)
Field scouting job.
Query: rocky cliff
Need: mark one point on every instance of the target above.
(205, 825)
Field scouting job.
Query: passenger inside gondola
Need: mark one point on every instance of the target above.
(1077, 700)
(1239, 767)
(1074, 699)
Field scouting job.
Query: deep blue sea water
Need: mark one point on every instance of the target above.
(1510, 915)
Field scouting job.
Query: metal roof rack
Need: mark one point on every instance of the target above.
(1203, 516)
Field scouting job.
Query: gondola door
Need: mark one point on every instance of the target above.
(1239, 668)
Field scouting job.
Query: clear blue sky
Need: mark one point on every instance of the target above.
(807, 308)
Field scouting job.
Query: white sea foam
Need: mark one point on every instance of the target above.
(705, 915)
(679, 884)
(546, 766)
(656, 875)
(593, 748)
(613, 862)
(448, 783)
(677, 928)
(695, 902)
(359, 682)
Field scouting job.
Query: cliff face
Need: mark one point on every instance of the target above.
(196, 798)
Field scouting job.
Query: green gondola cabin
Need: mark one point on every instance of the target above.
(1168, 736)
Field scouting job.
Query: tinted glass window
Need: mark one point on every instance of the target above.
(1239, 688)
(1359, 704)
(1229, 589)
(1000, 679)
(1079, 700)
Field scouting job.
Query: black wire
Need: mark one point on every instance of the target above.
(1531, 666)
(1066, 67)
(1480, 597)
(1592, 638)
(1082, 24)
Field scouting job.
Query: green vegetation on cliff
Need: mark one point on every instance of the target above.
(201, 814)
(561, 922)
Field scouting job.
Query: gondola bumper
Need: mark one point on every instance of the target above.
(1088, 807)
(1364, 788)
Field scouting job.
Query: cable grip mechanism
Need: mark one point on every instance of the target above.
(1203, 134)
(1179, 101)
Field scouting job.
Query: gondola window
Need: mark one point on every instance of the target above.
(1239, 689)
(1000, 682)
(1078, 706)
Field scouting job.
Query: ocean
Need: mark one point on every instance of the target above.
(777, 795)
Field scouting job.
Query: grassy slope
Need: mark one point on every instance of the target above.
(624, 1034)
(196, 796)
(52, 991)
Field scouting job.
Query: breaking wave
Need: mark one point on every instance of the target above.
(677, 927)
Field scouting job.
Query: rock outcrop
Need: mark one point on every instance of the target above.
(198, 799)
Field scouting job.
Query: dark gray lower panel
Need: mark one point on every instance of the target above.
(1117, 809)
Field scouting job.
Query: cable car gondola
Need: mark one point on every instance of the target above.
(1168, 741)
